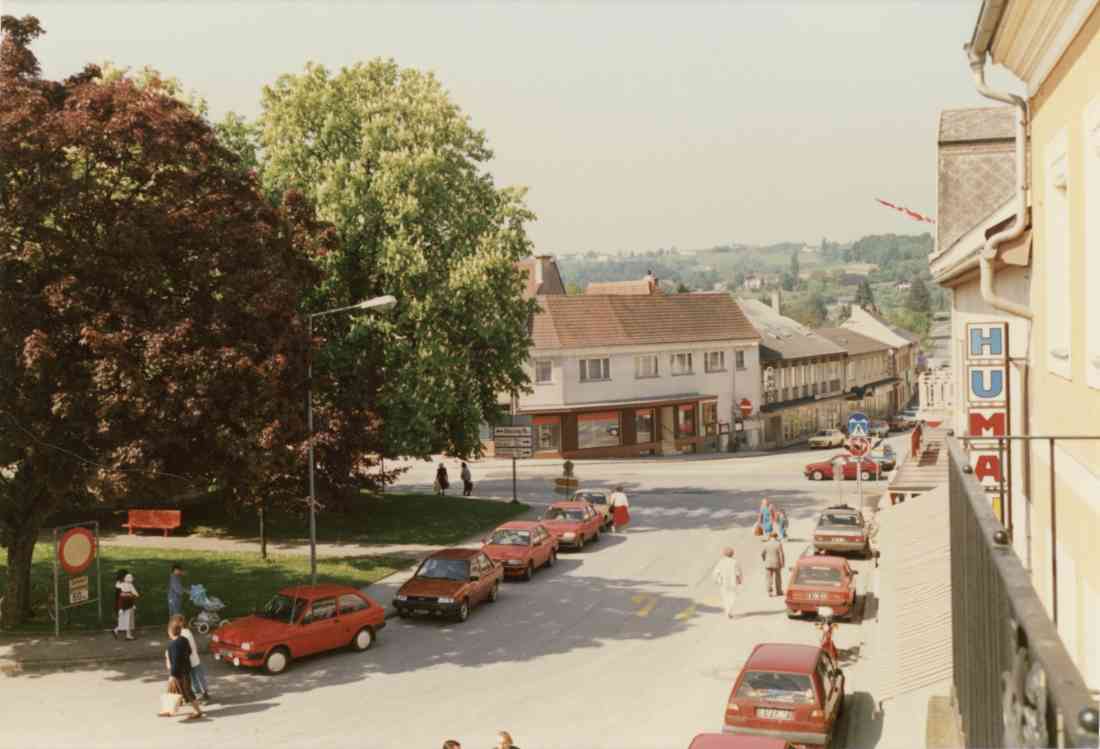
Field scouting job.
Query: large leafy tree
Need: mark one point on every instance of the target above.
(149, 339)
(399, 171)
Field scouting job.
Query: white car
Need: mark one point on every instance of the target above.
(600, 499)
(828, 438)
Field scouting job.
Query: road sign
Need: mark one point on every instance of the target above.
(78, 589)
(746, 407)
(499, 432)
(858, 446)
(76, 550)
(858, 424)
(513, 452)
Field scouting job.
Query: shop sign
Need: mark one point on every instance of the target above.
(987, 410)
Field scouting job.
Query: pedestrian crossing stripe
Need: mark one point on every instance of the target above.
(697, 513)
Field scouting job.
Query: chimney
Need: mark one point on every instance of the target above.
(775, 301)
(539, 260)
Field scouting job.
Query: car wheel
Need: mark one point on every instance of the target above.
(364, 638)
(552, 558)
(494, 592)
(402, 613)
(596, 536)
(866, 475)
(277, 661)
(818, 475)
(580, 542)
(529, 572)
(464, 610)
(867, 551)
(793, 615)
(201, 627)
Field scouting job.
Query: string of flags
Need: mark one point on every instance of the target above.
(911, 214)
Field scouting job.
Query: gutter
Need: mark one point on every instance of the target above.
(977, 51)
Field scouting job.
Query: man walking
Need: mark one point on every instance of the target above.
(175, 591)
(727, 573)
(774, 562)
(467, 481)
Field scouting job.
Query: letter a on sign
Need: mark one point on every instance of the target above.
(987, 467)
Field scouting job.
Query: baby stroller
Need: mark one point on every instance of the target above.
(208, 618)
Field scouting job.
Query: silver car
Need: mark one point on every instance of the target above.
(841, 528)
(600, 499)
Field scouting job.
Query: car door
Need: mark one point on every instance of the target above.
(593, 522)
(322, 628)
(539, 547)
(483, 569)
(353, 613)
(491, 572)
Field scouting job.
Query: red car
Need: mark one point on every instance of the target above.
(297, 622)
(521, 547)
(791, 692)
(731, 741)
(823, 469)
(450, 583)
(821, 581)
(573, 523)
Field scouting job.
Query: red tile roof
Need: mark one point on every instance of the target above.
(640, 286)
(638, 320)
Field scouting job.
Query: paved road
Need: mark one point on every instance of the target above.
(620, 645)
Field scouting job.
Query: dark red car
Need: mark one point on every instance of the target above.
(450, 583)
(823, 469)
(573, 523)
(521, 547)
(821, 581)
(790, 692)
(733, 741)
(300, 621)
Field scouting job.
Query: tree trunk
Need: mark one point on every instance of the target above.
(17, 595)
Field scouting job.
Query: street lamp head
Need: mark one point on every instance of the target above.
(380, 303)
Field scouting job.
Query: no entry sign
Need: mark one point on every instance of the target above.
(76, 550)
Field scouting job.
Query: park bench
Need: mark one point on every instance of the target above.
(164, 520)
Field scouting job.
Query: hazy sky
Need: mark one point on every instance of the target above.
(635, 125)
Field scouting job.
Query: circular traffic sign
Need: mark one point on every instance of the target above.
(859, 446)
(746, 407)
(76, 550)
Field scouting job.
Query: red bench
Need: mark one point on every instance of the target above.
(164, 520)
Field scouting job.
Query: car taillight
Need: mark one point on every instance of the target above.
(817, 714)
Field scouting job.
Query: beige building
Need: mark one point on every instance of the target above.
(868, 369)
(904, 348)
(1019, 245)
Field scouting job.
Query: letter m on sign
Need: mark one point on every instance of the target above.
(993, 425)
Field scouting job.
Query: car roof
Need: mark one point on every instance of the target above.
(519, 525)
(820, 561)
(591, 491)
(570, 505)
(455, 554)
(774, 656)
(317, 591)
(841, 509)
(736, 741)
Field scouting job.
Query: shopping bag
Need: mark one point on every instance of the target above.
(169, 702)
(757, 530)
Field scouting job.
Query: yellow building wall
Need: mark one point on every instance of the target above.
(1058, 405)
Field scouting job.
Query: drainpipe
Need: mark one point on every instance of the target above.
(989, 252)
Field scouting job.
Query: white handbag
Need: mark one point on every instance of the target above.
(169, 702)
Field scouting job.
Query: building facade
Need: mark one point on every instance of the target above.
(904, 355)
(869, 375)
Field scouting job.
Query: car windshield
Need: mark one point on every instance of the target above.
(833, 518)
(768, 685)
(823, 433)
(807, 575)
(283, 608)
(510, 537)
(444, 569)
(559, 513)
(596, 498)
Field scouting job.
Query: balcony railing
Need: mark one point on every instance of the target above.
(1015, 683)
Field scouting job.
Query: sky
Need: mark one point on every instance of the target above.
(635, 126)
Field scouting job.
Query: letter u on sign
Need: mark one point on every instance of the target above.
(987, 383)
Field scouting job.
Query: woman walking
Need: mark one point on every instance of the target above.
(764, 519)
(620, 509)
(441, 481)
(781, 523)
(199, 684)
(177, 658)
(126, 596)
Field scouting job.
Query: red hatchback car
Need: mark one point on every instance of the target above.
(791, 692)
(450, 583)
(573, 523)
(823, 469)
(297, 622)
(521, 547)
(821, 581)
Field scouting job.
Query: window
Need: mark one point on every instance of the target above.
(716, 361)
(595, 369)
(1057, 260)
(710, 418)
(680, 364)
(598, 430)
(548, 435)
(350, 603)
(643, 425)
(851, 372)
(1092, 243)
(544, 371)
(685, 420)
(739, 359)
(645, 366)
(324, 608)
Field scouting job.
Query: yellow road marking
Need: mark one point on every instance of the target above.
(648, 602)
(686, 613)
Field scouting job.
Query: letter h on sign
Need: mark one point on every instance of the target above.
(991, 345)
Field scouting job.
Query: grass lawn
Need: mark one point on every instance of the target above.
(379, 519)
(243, 581)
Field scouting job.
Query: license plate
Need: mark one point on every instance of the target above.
(420, 611)
(774, 714)
(817, 596)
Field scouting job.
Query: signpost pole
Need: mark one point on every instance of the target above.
(859, 479)
(56, 590)
(98, 576)
(514, 499)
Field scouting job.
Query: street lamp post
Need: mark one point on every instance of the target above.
(380, 303)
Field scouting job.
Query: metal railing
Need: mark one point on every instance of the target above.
(1015, 683)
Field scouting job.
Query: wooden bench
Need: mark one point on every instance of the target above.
(164, 520)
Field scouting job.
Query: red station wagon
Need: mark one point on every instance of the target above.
(821, 581)
(300, 621)
(521, 547)
(791, 692)
(573, 523)
(730, 741)
(450, 582)
(823, 469)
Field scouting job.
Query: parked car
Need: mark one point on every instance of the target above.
(789, 692)
(737, 741)
(827, 438)
(573, 523)
(841, 528)
(600, 499)
(900, 423)
(521, 547)
(821, 581)
(885, 456)
(450, 583)
(299, 621)
(823, 469)
(880, 429)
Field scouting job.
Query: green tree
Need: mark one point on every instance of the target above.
(865, 296)
(919, 299)
(396, 167)
(240, 136)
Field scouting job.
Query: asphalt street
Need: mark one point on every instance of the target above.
(620, 645)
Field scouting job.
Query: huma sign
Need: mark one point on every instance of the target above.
(987, 410)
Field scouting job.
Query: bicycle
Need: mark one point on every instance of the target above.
(37, 605)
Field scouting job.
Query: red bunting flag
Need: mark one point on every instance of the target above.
(911, 214)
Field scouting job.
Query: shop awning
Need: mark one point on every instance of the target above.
(664, 400)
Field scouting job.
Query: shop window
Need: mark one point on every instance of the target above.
(645, 366)
(595, 369)
(548, 435)
(544, 371)
(716, 361)
(710, 418)
(685, 420)
(598, 430)
(643, 425)
(680, 364)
